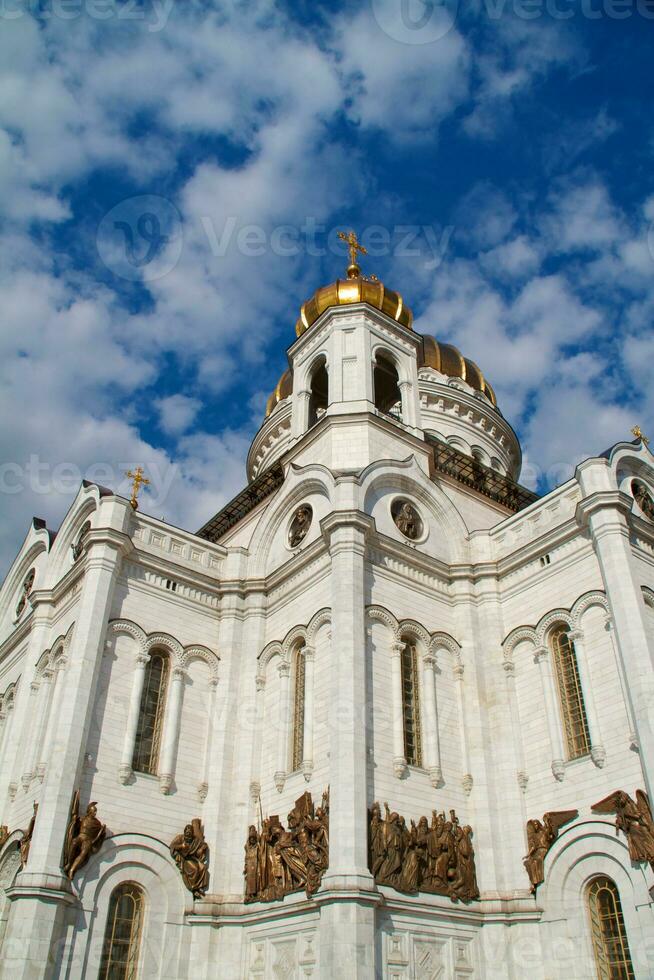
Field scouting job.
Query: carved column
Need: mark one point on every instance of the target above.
(518, 735)
(633, 739)
(203, 785)
(257, 741)
(5, 720)
(309, 655)
(465, 748)
(300, 421)
(171, 729)
(542, 658)
(18, 738)
(597, 750)
(53, 719)
(34, 710)
(399, 758)
(285, 722)
(432, 745)
(41, 721)
(127, 758)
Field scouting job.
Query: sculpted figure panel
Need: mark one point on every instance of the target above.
(26, 839)
(84, 836)
(634, 819)
(540, 837)
(437, 858)
(190, 851)
(279, 861)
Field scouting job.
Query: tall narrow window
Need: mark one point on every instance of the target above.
(298, 710)
(388, 398)
(319, 399)
(571, 698)
(153, 698)
(610, 944)
(411, 705)
(122, 936)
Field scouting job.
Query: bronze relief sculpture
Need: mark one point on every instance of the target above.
(26, 590)
(634, 819)
(281, 860)
(26, 839)
(300, 525)
(407, 519)
(437, 858)
(84, 836)
(643, 498)
(540, 837)
(191, 854)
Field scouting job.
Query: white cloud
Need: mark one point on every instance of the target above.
(177, 413)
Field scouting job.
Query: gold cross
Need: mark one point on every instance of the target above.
(639, 435)
(139, 481)
(353, 246)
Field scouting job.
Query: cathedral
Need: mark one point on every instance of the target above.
(387, 714)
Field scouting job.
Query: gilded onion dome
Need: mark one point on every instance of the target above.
(355, 289)
(449, 360)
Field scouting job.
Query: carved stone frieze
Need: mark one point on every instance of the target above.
(634, 819)
(191, 854)
(279, 861)
(437, 858)
(84, 836)
(540, 837)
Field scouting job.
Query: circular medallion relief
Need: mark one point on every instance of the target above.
(643, 498)
(300, 524)
(407, 519)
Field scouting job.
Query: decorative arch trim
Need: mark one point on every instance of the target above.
(433, 642)
(180, 656)
(539, 634)
(285, 648)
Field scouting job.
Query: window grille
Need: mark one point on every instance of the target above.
(411, 705)
(122, 938)
(610, 944)
(150, 724)
(571, 698)
(298, 710)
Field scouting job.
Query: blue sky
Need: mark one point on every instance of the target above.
(173, 175)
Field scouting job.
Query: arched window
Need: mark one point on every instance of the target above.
(153, 699)
(122, 935)
(411, 704)
(610, 944)
(319, 386)
(298, 708)
(571, 698)
(388, 398)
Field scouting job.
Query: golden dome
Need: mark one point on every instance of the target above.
(354, 289)
(283, 390)
(450, 361)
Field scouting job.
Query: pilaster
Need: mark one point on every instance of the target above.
(606, 513)
(348, 920)
(42, 892)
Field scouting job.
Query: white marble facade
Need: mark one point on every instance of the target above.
(479, 592)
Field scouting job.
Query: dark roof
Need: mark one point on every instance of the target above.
(241, 505)
(470, 472)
